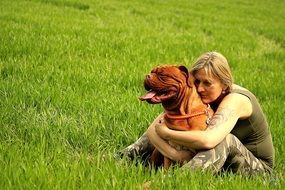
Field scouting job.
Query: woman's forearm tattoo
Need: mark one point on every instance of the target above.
(220, 117)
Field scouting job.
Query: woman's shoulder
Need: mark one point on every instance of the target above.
(239, 100)
(237, 87)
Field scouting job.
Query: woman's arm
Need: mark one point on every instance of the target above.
(164, 147)
(233, 107)
(219, 127)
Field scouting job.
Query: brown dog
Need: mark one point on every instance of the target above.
(173, 86)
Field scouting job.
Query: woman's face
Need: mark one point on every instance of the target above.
(209, 88)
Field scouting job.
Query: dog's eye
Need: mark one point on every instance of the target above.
(164, 77)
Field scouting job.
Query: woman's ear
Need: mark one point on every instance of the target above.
(225, 89)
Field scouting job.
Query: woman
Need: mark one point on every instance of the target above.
(238, 137)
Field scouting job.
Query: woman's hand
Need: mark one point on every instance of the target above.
(163, 146)
(162, 130)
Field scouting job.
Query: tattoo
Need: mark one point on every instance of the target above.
(220, 117)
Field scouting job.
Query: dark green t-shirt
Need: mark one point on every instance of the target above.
(254, 132)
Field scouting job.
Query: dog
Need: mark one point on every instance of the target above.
(173, 87)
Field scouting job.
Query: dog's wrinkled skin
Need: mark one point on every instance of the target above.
(173, 87)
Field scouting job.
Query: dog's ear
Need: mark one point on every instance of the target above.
(190, 80)
(184, 69)
(189, 77)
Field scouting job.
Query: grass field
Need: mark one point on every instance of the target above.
(72, 72)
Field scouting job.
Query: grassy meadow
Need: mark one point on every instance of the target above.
(71, 73)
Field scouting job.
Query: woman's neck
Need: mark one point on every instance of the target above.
(214, 105)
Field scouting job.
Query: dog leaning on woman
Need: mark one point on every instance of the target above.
(237, 139)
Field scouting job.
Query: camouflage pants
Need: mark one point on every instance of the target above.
(229, 155)
(142, 148)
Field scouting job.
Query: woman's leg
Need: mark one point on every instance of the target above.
(142, 148)
(230, 154)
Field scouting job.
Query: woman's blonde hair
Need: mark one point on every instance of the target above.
(215, 65)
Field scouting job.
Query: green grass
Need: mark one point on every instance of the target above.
(72, 72)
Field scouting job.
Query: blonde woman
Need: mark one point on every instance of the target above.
(238, 137)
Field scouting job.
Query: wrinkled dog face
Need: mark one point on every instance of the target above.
(164, 83)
